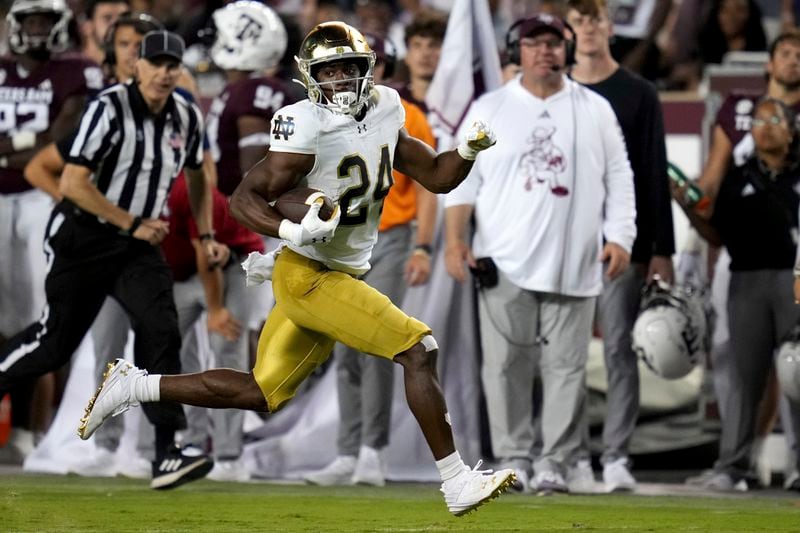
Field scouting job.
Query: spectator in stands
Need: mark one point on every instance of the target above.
(43, 96)
(100, 16)
(636, 25)
(635, 103)
(366, 384)
(732, 25)
(704, 32)
(542, 252)
(790, 14)
(756, 217)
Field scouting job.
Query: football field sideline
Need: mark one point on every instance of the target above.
(31, 502)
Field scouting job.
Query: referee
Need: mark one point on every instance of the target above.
(103, 238)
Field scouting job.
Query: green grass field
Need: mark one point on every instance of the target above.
(73, 504)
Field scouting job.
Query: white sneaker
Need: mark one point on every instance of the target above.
(229, 471)
(369, 468)
(112, 398)
(339, 472)
(102, 463)
(472, 488)
(136, 468)
(580, 478)
(617, 477)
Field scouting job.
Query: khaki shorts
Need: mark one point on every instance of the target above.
(316, 307)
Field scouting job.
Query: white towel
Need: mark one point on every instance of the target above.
(258, 267)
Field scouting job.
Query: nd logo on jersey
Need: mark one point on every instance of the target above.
(281, 126)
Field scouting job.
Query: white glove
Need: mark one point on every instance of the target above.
(312, 229)
(479, 137)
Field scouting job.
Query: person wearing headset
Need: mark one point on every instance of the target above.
(566, 187)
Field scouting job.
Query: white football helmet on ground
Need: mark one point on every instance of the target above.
(787, 365)
(670, 334)
(249, 37)
(56, 41)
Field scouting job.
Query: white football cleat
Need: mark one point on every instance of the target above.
(112, 398)
(472, 488)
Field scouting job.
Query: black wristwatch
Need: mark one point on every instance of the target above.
(137, 221)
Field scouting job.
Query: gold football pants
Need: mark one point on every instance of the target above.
(315, 308)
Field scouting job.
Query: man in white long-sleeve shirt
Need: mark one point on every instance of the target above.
(552, 203)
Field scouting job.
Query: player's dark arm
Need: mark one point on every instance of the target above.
(253, 141)
(277, 173)
(66, 121)
(44, 170)
(438, 173)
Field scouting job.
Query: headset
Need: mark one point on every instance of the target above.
(513, 38)
(143, 24)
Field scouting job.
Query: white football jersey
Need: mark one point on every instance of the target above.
(353, 167)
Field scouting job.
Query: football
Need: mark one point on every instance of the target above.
(294, 204)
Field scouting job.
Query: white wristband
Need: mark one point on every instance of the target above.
(23, 140)
(466, 152)
(288, 230)
(3, 161)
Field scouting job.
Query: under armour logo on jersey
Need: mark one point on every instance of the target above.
(283, 127)
(362, 128)
(248, 28)
(46, 85)
(170, 465)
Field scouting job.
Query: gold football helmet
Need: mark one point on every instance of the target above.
(336, 41)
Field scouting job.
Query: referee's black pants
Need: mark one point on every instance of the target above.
(87, 261)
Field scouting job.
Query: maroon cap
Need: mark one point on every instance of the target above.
(539, 23)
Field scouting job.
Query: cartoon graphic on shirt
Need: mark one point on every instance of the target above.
(543, 161)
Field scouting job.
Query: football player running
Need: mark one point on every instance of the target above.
(343, 140)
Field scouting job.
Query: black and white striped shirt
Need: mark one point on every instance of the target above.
(133, 154)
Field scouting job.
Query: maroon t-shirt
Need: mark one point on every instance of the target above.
(736, 113)
(31, 101)
(259, 97)
(177, 245)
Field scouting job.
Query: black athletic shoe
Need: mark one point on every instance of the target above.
(180, 466)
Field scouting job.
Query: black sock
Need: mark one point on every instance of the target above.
(165, 440)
